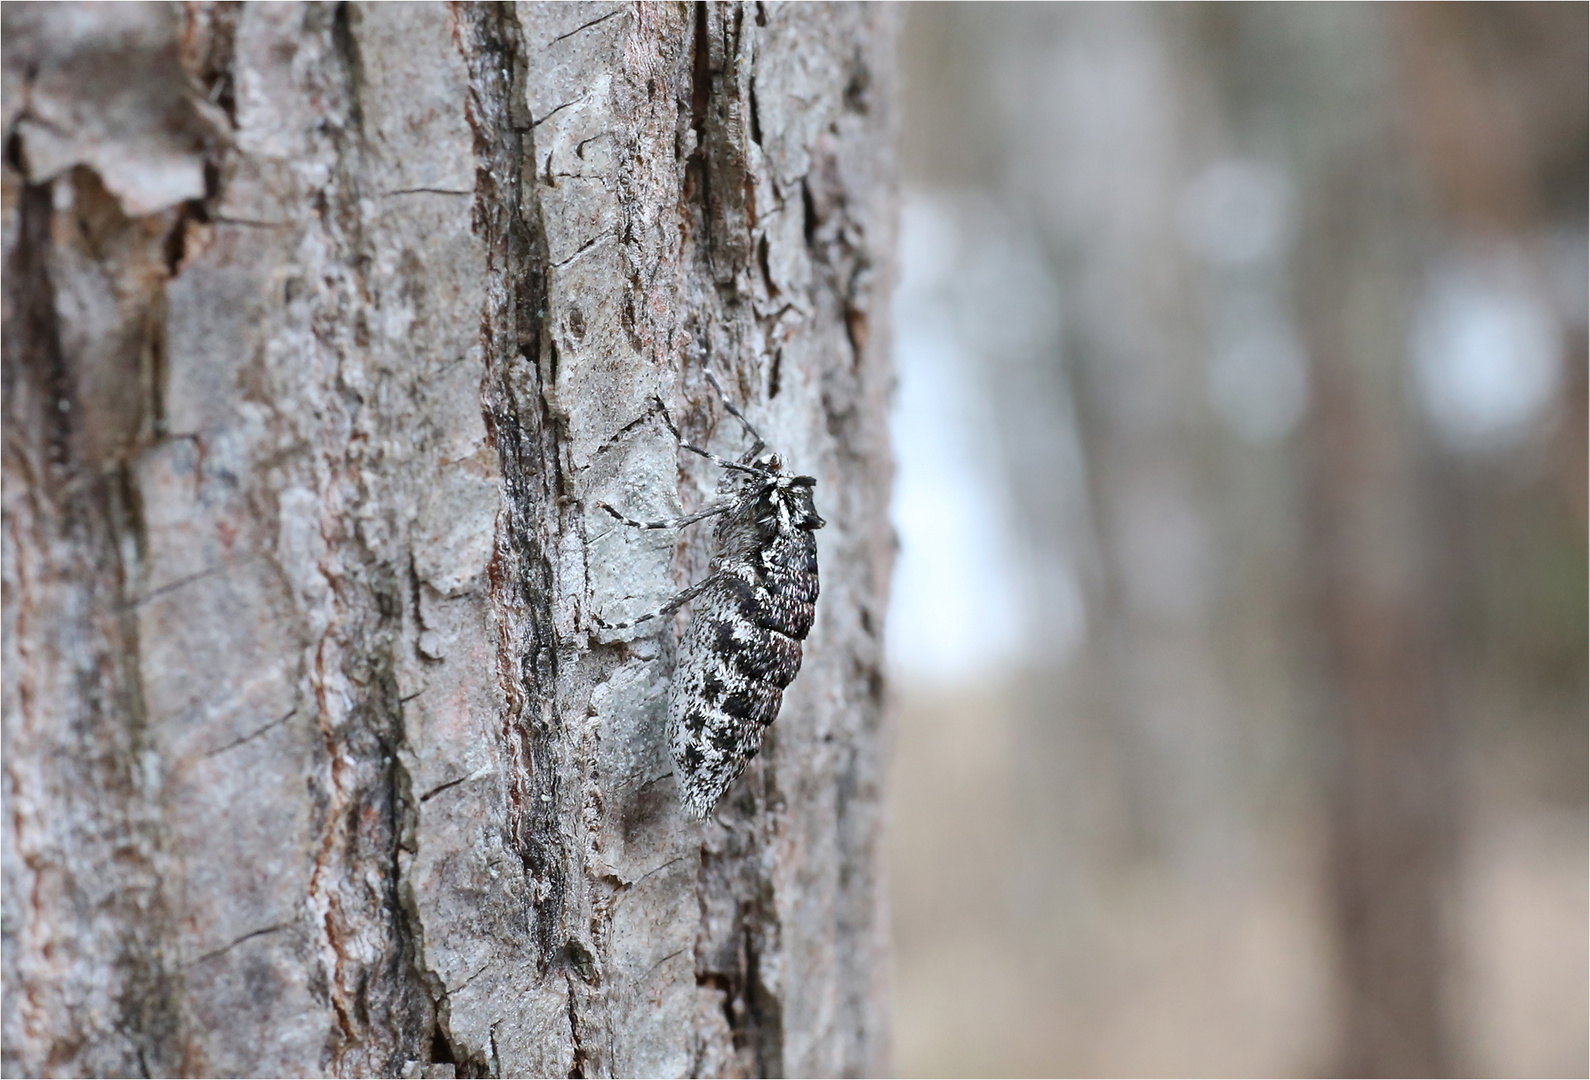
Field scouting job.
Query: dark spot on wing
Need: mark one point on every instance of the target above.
(711, 689)
(767, 707)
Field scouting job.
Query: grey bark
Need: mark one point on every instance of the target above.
(326, 328)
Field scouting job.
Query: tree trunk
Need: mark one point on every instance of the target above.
(1373, 570)
(326, 329)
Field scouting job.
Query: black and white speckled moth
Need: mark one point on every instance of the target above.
(750, 615)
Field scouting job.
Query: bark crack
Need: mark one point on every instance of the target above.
(552, 112)
(251, 736)
(423, 191)
(583, 248)
(383, 996)
(450, 784)
(586, 26)
(74, 519)
(520, 426)
(577, 1069)
(184, 582)
(235, 942)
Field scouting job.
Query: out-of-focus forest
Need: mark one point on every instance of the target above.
(1239, 627)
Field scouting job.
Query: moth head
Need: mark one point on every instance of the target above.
(797, 492)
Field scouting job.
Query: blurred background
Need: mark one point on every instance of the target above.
(1239, 626)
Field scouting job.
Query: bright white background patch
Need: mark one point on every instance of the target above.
(1487, 351)
(956, 611)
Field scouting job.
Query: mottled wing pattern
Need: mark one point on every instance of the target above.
(743, 647)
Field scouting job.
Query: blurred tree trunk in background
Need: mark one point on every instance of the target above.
(1387, 762)
(1108, 182)
(1389, 772)
(1483, 109)
(326, 326)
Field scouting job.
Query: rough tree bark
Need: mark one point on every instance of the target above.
(326, 328)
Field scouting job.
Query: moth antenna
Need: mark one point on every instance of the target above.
(737, 414)
(721, 462)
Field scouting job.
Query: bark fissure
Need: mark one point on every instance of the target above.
(585, 26)
(521, 429)
(69, 526)
(36, 347)
(384, 1004)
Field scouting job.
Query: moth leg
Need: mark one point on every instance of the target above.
(672, 523)
(667, 609)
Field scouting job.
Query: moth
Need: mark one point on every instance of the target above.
(749, 616)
